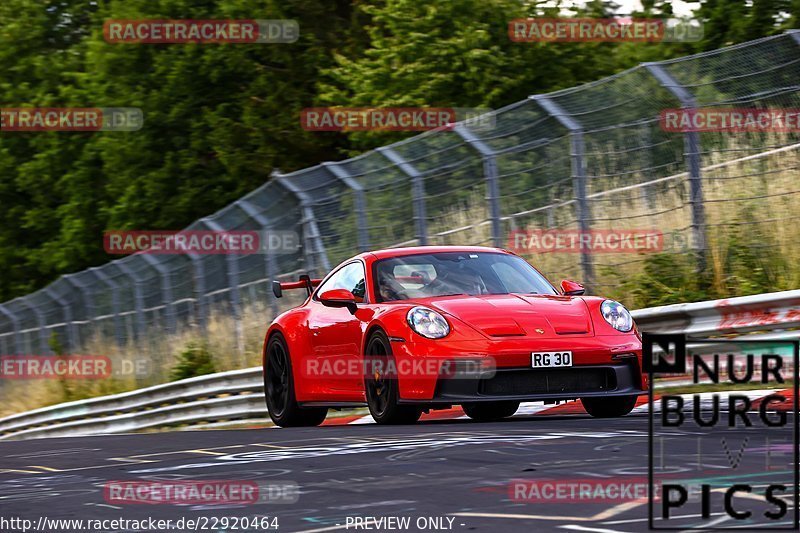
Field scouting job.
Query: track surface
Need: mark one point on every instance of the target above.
(455, 469)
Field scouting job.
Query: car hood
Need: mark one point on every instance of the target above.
(506, 315)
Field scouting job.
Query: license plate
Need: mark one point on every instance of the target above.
(550, 359)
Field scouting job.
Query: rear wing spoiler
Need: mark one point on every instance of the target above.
(305, 282)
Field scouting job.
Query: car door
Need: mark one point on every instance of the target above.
(336, 336)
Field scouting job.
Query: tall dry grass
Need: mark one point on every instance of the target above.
(155, 356)
(752, 230)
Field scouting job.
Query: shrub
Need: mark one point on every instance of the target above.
(194, 360)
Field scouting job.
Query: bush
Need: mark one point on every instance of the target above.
(664, 278)
(194, 360)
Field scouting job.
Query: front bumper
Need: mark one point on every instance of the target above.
(551, 384)
(602, 366)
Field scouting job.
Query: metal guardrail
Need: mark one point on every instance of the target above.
(238, 395)
(732, 316)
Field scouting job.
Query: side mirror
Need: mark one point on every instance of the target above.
(572, 288)
(339, 298)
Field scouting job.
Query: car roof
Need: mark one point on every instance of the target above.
(416, 250)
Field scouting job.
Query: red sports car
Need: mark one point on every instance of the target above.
(407, 330)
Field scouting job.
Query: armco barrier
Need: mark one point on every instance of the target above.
(238, 395)
(226, 395)
(732, 316)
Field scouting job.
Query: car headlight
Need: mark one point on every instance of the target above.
(616, 315)
(428, 323)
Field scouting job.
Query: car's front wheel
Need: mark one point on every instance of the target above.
(380, 383)
(279, 389)
(489, 411)
(609, 407)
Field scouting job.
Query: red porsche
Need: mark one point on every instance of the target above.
(407, 330)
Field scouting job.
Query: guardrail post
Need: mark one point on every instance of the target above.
(166, 291)
(312, 239)
(112, 285)
(693, 163)
(138, 297)
(15, 324)
(269, 263)
(72, 342)
(578, 164)
(417, 191)
(360, 202)
(490, 175)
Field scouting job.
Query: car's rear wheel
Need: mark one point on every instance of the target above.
(279, 389)
(380, 383)
(609, 407)
(488, 411)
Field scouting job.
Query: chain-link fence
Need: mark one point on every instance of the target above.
(586, 158)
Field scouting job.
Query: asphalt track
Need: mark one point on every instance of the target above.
(452, 469)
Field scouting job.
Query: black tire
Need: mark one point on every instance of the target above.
(279, 389)
(381, 390)
(489, 411)
(609, 407)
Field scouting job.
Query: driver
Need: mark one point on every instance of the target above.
(458, 280)
(389, 288)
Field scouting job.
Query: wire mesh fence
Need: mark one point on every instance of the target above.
(593, 157)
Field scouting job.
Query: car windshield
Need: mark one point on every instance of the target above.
(452, 273)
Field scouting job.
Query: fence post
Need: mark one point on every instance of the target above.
(15, 324)
(199, 277)
(691, 141)
(232, 266)
(312, 239)
(269, 263)
(43, 341)
(138, 298)
(360, 202)
(417, 191)
(111, 284)
(795, 35)
(69, 325)
(578, 164)
(166, 291)
(87, 301)
(490, 175)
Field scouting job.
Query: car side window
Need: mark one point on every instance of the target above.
(329, 283)
(350, 277)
